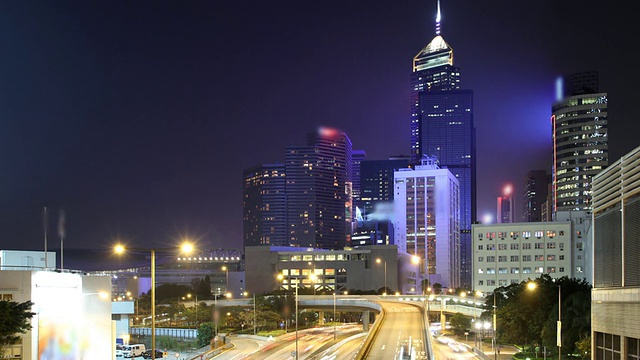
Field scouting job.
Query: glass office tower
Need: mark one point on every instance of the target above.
(442, 126)
(318, 190)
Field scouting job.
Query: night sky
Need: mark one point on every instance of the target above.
(138, 117)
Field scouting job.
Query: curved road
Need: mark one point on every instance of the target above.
(310, 342)
(401, 334)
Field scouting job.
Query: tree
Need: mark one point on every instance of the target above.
(204, 288)
(584, 347)
(14, 320)
(437, 288)
(527, 316)
(460, 323)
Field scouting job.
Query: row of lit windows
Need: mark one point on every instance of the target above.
(322, 257)
(524, 270)
(227, 258)
(525, 246)
(317, 272)
(516, 258)
(516, 234)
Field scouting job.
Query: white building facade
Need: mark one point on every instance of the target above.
(27, 260)
(505, 254)
(427, 220)
(615, 296)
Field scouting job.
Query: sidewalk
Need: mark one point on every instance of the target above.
(505, 352)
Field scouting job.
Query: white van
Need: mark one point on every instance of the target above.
(132, 351)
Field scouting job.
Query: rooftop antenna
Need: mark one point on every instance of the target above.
(438, 17)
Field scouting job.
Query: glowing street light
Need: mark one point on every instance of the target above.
(532, 286)
(226, 270)
(254, 311)
(298, 278)
(185, 248)
(378, 260)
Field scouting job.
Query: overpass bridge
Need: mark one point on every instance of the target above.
(368, 304)
(446, 304)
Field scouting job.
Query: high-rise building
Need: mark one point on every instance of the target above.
(506, 206)
(376, 182)
(318, 190)
(535, 194)
(580, 141)
(357, 157)
(616, 260)
(427, 219)
(442, 126)
(264, 207)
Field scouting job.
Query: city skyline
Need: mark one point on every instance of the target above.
(138, 118)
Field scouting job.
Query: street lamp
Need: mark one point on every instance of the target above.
(476, 294)
(313, 276)
(215, 314)
(495, 328)
(196, 307)
(185, 248)
(378, 260)
(281, 278)
(532, 286)
(334, 313)
(254, 311)
(226, 270)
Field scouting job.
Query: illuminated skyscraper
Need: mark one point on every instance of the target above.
(580, 141)
(318, 190)
(427, 219)
(506, 206)
(376, 182)
(535, 194)
(358, 156)
(442, 126)
(263, 202)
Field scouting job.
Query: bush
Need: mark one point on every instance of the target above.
(205, 334)
(173, 344)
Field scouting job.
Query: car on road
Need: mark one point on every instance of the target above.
(159, 354)
(456, 346)
(132, 351)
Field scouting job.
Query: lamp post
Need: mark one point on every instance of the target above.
(281, 277)
(186, 248)
(378, 260)
(313, 276)
(532, 286)
(254, 311)
(495, 329)
(334, 313)
(226, 270)
(215, 313)
(196, 307)
(559, 336)
(475, 314)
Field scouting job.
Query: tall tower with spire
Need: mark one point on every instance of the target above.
(442, 126)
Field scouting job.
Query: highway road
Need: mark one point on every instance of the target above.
(446, 348)
(310, 342)
(400, 335)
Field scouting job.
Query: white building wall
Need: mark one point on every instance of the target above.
(69, 314)
(26, 260)
(582, 241)
(447, 212)
(511, 253)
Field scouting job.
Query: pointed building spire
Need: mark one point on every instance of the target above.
(438, 20)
